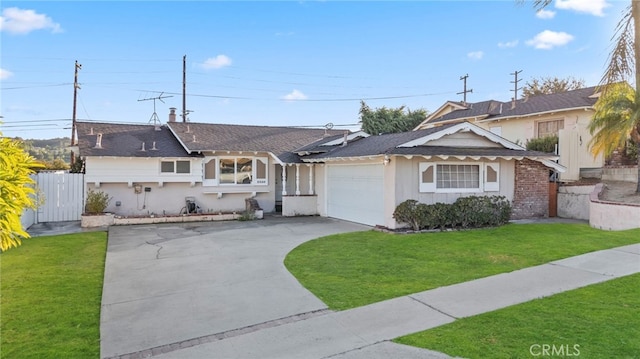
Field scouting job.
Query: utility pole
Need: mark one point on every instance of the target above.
(184, 88)
(465, 91)
(515, 87)
(73, 117)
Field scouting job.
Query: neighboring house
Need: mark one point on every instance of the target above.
(352, 176)
(565, 114)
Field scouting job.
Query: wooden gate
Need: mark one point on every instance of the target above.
(61, 196)
(553, 199)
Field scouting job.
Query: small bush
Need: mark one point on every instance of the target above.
(410, 212)
(543, 144)
(465, 212)
(97, 202)
(481, 211)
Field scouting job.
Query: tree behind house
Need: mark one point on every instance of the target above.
(550, 85)
(389, 120)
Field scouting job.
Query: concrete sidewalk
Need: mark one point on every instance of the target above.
(366, 332)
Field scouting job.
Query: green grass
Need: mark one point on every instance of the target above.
(50, 297)
(599, 321)
(354, 269)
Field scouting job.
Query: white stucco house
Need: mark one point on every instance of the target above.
(152, 169)
(566, 114)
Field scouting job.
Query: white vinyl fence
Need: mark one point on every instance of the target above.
(61, 198)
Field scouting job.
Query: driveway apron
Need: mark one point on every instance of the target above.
(170, 283)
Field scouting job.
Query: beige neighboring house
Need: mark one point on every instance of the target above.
(565, 114)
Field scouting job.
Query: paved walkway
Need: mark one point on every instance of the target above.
(221, 291)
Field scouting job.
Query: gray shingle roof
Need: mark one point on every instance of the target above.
(377, 145)
(535, 104)
(388, 145)
(126, 140)
(280, 141)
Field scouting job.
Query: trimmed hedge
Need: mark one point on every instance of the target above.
(465, 212)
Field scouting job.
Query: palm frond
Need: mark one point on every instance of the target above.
(621, 61)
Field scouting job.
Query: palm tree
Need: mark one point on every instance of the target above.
(615, 119)
(618, 108)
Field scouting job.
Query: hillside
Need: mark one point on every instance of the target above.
(50, 150)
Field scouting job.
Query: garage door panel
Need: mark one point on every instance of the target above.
(356, 193)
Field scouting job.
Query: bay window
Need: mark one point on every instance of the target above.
(235, 171)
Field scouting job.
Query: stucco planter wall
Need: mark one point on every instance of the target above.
(299, 206)
(121, 221)
(96, 220)
(612, 216)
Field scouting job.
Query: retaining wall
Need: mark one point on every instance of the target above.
(612, 216)
(574, 201)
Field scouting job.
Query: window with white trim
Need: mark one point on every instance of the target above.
(459, 177)
(455, 176)
(235, 171)
(180, 167)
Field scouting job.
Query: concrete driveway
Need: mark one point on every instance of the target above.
(166, 284)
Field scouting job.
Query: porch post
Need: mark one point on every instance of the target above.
(297, 179)
(284, 179)
(310, 179)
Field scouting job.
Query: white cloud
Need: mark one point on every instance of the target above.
(217, 62)
(545, 14)
(593, 7)
(5, 74)
(294, 95)
(508, 44)
(475, 55)
(290, 33)
(19, 21)
(548, 39)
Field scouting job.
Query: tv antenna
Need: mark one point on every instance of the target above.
(154, 118)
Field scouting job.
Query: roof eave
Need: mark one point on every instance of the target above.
(502, 117)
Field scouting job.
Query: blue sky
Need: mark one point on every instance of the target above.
(302, 63)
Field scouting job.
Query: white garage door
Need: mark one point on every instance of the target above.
(355, 193)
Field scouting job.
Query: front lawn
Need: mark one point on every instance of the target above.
(354, 269)
(50, 297)
(598, 321)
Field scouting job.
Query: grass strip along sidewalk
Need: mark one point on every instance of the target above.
(50, 296)
(355, 269)
(597, 321)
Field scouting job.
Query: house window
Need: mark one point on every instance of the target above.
(459, 177)
(241, 170)
(175, 166)
(549, 128)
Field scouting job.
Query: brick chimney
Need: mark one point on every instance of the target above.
(172, 114)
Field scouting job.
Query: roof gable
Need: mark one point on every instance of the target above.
(461, 127)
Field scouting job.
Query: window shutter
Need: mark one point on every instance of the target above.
(427, 177)
(260, 168)
(492, 177)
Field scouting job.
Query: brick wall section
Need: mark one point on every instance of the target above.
(531, 194)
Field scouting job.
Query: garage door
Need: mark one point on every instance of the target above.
(355, 193)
